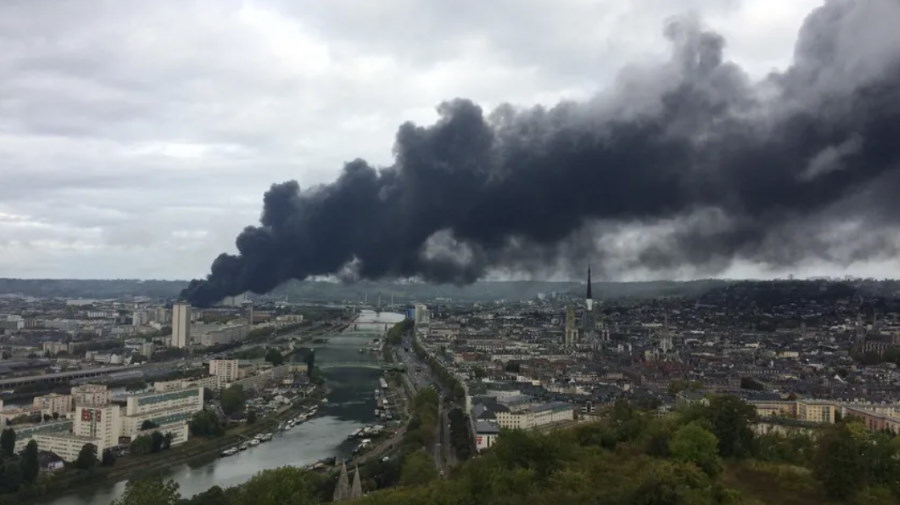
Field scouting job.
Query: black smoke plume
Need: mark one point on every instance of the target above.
(688, 165)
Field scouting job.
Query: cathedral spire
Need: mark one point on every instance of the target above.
(589, 297)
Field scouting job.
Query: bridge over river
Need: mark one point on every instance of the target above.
(370, 365)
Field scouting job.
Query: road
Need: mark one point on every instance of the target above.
(420, 376)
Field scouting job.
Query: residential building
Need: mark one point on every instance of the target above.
(169, 410)
(181, 325)
(99, 422)
(225, 371)
(486, 433)
(67, 445)
(25, 433)
(91, 394)
(535, 416)
(53, 403)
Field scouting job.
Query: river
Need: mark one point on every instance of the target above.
(351, 405)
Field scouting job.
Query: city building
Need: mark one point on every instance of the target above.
(53, 403)
(168, 410)
(421, 314)
(225, 371)
(218, 334)
(25, 433)
(181, 325)
(570, 338)
(98, 422)
(535, 416)
(67, 445)
(875, 421)
(486, 433)
(91, 394)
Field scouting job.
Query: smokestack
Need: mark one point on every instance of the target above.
(685, 168)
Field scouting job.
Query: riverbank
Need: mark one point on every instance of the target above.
(139, 466)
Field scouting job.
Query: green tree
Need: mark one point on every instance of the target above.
(285, 485)
(730, 419)
(156, 441)
(142, 444)
(152, 491)
(11, 476)
(311, 364)
(627, 422)
(148, 425)
(7, 443)
(838, 462)
(233, 400)
(87, 457)
(108, 458)
(251, 417)
(418, 469)
(206, 424)
(692, 443)
(29, 462)
(274, 356)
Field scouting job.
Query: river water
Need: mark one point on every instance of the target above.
(351, 405)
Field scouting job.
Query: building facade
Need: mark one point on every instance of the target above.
(181, 325)
(53, 403)
(91, 394)
(67, 445)
(98, 422)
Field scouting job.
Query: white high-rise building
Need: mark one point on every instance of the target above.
(225, 371)
(421, 314)
(181, 325)
(100, 423)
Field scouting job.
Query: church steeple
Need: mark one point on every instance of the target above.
(589, 300)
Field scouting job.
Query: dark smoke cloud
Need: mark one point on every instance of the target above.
(709, 166)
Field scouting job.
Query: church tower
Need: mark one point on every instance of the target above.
(588, 330)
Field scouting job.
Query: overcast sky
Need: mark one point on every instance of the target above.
(137, 138)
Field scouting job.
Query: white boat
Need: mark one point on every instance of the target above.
(253, 443)
(267, 437)
(244, 446)
(231, 451)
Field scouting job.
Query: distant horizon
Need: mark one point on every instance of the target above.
(418, 282)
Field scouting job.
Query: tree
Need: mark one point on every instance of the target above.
(286, 485)
(108, 458)
(148, 425)
(251, 417)
(838, 462)
(730, 419)
(30, 465)
(233, 400)
(142, 444)
(693, 443)
(87, 457)
(7, 442)
(205, 424)
(156, 441)
(418, 470)
(152, 491)
(310, 363)
(11, 476)
(274, 356)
